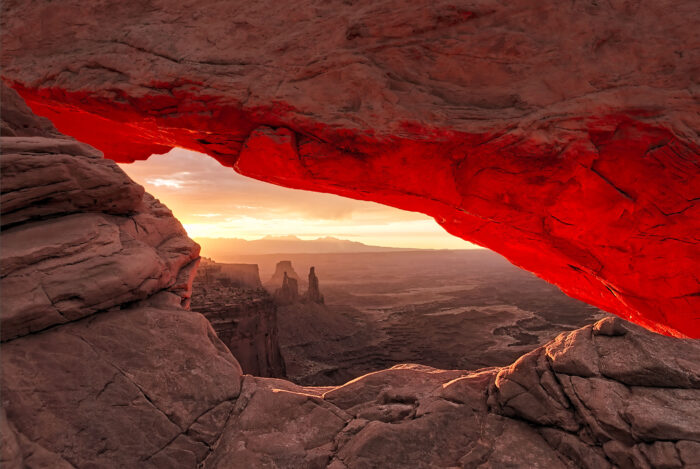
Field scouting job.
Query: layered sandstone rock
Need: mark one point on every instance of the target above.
(101, 365)
(146, 383)
(563, 136)
(78, 236)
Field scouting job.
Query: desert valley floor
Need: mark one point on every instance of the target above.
(451, 309)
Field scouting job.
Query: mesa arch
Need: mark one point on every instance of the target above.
(575, 155)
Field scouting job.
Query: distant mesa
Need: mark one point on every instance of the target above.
(282, 268)
(288, 292)
(231, 275)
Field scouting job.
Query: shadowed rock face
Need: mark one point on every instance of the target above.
(242, 313)
(574, 154)
(147, 383)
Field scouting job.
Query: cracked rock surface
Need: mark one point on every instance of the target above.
(78, 236)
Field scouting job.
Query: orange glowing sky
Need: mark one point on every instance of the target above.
(213, 201)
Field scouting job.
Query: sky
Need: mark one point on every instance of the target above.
(213, 201)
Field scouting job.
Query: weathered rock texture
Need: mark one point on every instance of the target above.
(575, 402)
(563, 136)
(571, 403)
(78, 236)
(137, 387)
(245, 319)
(138, 381)
(101, 365)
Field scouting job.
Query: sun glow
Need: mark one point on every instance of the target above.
(213, 201)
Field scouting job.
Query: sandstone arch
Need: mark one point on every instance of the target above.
(561, 136)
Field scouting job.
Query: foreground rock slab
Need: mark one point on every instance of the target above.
(121, 389)
(81, 396)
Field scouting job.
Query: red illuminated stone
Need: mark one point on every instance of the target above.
(560, 136)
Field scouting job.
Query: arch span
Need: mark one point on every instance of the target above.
(574, 155)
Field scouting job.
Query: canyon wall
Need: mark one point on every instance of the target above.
(247, 324)
(563, 136)
(244, 318)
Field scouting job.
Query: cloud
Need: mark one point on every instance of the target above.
(161, 182)
(212, 200)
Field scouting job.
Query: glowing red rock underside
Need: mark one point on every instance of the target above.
(562, 135)
(610, 214)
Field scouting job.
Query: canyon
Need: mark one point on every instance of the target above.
(562, 136)
(130, 377)
(466, 309)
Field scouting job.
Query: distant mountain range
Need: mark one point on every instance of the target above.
(222, 248)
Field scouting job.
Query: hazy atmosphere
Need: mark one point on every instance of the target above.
(213, 201)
